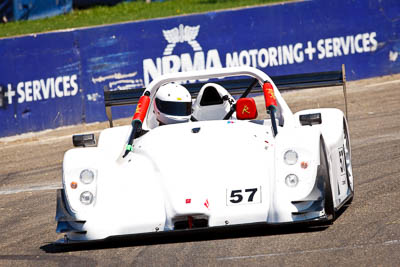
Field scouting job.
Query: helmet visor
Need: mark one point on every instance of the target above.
(174, 108)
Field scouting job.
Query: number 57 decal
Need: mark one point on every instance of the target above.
(250, 195)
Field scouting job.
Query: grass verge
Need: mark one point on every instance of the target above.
(126, 11)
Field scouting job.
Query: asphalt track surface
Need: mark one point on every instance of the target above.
(366, 233)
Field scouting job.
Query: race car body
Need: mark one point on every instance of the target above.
(208, 172)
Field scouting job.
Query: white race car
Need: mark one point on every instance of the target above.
(223, 167)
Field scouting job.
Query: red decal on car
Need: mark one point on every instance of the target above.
(206, 204)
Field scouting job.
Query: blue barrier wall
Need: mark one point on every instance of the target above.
(36, 9)
(90, 3)
(58, 78)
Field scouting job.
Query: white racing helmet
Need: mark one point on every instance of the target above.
(173, 104)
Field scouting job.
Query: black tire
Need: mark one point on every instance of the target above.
(347, 156)
(324, 172)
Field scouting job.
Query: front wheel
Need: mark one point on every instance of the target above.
(347, 157)
(324, 172)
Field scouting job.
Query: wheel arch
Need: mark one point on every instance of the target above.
(332, 132)
(324, 170)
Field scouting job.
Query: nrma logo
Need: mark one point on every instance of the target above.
(194, 58)
(180, 35)
(169, 63)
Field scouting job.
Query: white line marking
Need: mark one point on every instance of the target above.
(382, 83)
(31, 188)
(390, 242)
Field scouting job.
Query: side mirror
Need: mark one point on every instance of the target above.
(310, 119)
(83, 140)
(246, 109)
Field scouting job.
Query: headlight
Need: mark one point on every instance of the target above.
(87, 176)
(86, 198)
(290, 157)
(292, 180)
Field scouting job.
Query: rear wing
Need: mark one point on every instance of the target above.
(239, 86)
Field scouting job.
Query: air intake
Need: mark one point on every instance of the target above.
(190, 222)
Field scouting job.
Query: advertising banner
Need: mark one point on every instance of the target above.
(40, 77)
(287, 38)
